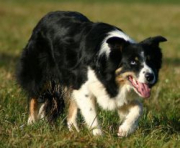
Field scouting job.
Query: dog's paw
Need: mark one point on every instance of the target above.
(31, 120)
(72, 126)
(69, 125)
(97, 132)
(125, 130)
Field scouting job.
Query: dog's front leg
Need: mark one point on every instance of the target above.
(129, 113)
(86, 104)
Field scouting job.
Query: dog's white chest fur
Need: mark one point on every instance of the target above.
(97, 89)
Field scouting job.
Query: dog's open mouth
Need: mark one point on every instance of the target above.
(142, 88)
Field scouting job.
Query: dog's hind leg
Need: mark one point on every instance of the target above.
(72, 115)
(41, 113)
(33, 111)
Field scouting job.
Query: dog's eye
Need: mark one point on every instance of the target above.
(133, 62)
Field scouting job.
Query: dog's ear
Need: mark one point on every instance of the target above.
(154, 40)
(116, 43)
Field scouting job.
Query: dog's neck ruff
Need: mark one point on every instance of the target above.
(115, 33)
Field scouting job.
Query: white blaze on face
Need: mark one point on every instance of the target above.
(145, 78)
(146, 69)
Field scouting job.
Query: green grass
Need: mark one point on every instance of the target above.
(160, 123)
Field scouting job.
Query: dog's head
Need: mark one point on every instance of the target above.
(139, 64)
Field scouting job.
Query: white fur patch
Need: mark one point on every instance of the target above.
(116, 33)
(102, 98)
(144, 70)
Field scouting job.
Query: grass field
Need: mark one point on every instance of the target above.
(160, 124)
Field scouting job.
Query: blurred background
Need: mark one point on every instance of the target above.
(160, 125)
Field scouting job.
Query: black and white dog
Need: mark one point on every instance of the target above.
(73, 60)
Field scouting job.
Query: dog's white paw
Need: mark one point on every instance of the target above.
(125, 130)
(97, 132)
(72, 126)
(31, 120)
(69, 125)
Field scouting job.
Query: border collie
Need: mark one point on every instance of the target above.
(71, 60)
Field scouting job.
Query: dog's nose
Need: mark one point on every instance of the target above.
(149, 77)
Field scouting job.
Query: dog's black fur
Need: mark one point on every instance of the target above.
(62, 47)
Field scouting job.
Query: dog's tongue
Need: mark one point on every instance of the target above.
(144, 90)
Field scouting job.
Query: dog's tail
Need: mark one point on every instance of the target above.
(53, 98)
(37, 68)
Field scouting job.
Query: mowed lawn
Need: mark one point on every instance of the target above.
(160, 124)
